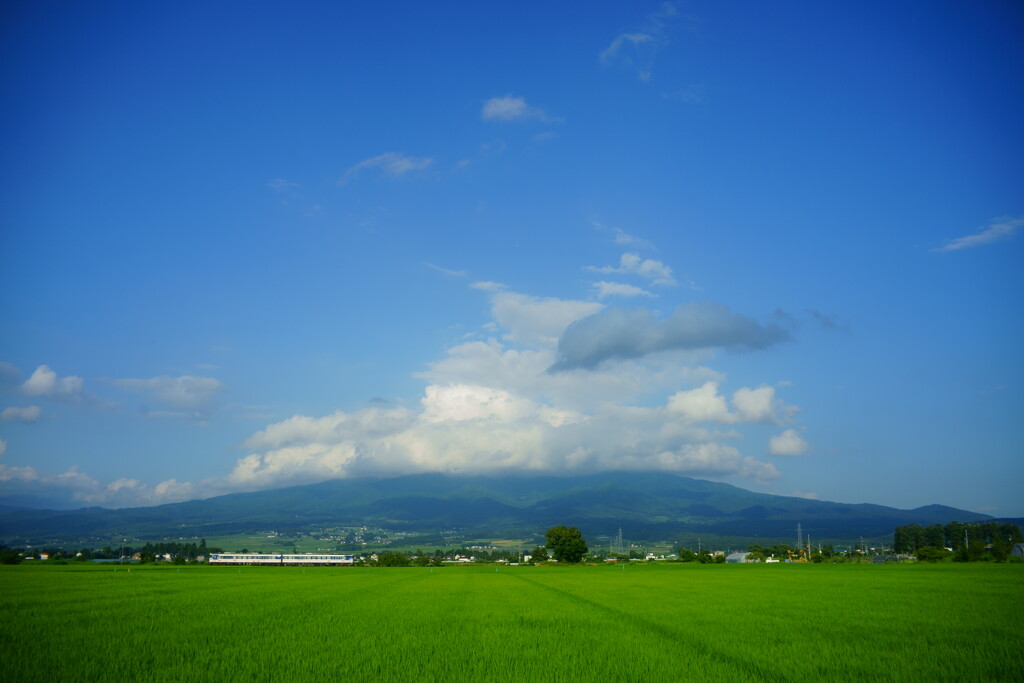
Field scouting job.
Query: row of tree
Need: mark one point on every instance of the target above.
(9, 555)
(702, 556)
(968, 541)
(186, 551)
(151, 552)
(564, 544)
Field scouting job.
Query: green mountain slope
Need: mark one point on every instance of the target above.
(649, 506)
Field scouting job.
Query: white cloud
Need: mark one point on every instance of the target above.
(632, 264)
(26, 414)
(998, 230)
(173, 490)
(710, 459)
(391, 164)
(3, 446)
(607, 289)
(184, 392)
(536, 320)
(487, 286)
(473, 429)
(755, 405)
(462, 402)
(57, 490)
(787, 443)
(27, 480)
(332, 429)
(750, 406)
(511, 108)
(489, 408)
(524, 372)
(703, 404)
(45, 382)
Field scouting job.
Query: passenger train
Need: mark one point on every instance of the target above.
(308, 559)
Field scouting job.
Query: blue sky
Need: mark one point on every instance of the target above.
(254, 245)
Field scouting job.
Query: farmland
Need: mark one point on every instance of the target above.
(661, 622)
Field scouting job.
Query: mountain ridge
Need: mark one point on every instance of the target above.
(650, 505)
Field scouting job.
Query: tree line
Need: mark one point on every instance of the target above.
(151, 552)
(966, 541)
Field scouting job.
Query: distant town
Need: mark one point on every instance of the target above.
(370, 546)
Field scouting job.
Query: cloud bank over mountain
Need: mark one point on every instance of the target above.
(548, 385)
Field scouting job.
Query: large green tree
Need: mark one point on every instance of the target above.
(566, 543)
(392, 559)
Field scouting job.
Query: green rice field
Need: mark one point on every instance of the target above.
(636, 622)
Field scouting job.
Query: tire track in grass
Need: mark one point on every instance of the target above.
(751, 669)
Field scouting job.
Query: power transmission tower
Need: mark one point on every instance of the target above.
(617, 545)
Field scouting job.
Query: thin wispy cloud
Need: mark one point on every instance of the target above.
(607, 289)
(282, 185)
(511, 108)
(632, 264)
(445, 271)
(20, 414)
(185, 394)
(827, 321)
(634, 39)
(999, 230)
(623, 238)
(691, 94)
(636, 49)
(390, 164)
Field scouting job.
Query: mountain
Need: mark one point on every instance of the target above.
(647, 506)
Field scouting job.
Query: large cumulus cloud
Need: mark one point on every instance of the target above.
(465, 429)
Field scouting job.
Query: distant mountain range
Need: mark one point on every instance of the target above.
(646, 506)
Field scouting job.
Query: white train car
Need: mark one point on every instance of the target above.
(321, 560)
(306, 559)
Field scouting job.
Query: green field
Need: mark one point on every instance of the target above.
(652, 622)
